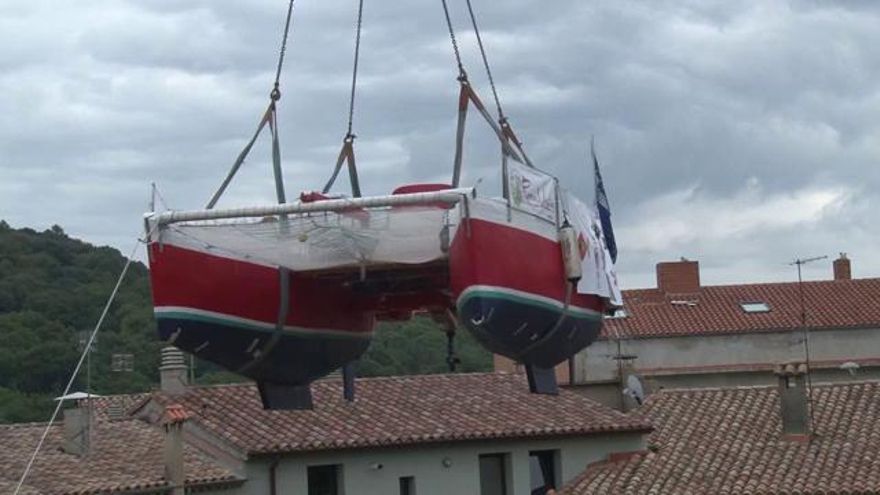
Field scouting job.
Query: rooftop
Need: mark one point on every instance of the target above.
(687, 308)
(403, 410)
(125, 455)
(730, 441)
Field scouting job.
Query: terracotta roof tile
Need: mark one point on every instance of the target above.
(730, 441)
(716, 309)
(125, 455)
(398, 411)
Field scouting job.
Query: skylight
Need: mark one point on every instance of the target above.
(755, 307)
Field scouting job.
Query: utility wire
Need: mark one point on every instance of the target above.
(79, 364)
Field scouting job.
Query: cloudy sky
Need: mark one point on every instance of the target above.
(740, 134)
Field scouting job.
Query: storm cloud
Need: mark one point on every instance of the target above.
(740, 134)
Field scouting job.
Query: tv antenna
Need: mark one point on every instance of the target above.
(800, 262)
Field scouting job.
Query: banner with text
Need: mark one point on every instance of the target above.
(532, 190)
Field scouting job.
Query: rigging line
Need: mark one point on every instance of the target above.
(276, 93)
(462, 75)
(354, 72)
(79, 364)
(501, 117)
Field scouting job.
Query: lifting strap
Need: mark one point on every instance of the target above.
(270, 118)
(241, 156)
(509, 134)
(467, 95)
(346, 154)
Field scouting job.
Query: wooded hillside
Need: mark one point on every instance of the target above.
(52, 291)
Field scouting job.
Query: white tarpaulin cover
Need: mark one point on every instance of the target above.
(532, 190)
(599, 275)
(302, 242)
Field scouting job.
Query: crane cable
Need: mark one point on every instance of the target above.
(346, 154)
(467, 96)
(501, 117)
(270, 118)
(86, 351)
(462, 75)
(354, 71)
(276, 92)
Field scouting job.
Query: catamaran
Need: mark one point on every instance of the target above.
(290, 292)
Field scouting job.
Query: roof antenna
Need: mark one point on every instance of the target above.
(799, 262)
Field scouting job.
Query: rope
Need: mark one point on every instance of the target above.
(82, 358)
(354, 72)
(501, 117)
(276, 92)
(462, 75)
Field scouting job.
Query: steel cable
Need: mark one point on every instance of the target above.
(461, 73)
(276, 92)
(501, 117)
(354, 72)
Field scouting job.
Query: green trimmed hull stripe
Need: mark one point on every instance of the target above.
(520, 297)
(210, 317)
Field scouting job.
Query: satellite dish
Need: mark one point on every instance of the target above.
(850, 366)
(76, 396)
(634, 389)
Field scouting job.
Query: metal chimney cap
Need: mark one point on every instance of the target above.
(172, 358)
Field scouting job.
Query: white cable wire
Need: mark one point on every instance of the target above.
(82, 358)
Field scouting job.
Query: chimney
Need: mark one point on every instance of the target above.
(173, 372)
(842, 268)
(172, 454)
(793, 397)
(76, 430)
(678, 277)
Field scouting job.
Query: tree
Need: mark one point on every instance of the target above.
(52, 291)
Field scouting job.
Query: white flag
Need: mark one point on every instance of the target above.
(599, 275)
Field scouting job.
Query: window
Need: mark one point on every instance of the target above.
(755, 307)
(493, 474)
(407, 485)
(543, 470)
(325, 480)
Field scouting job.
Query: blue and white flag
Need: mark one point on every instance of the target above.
(603, 208)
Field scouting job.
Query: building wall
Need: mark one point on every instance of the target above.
(700, 360)
(425, 464)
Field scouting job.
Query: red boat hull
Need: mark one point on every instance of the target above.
(228, 311)
(502, 276)
(510, 292)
